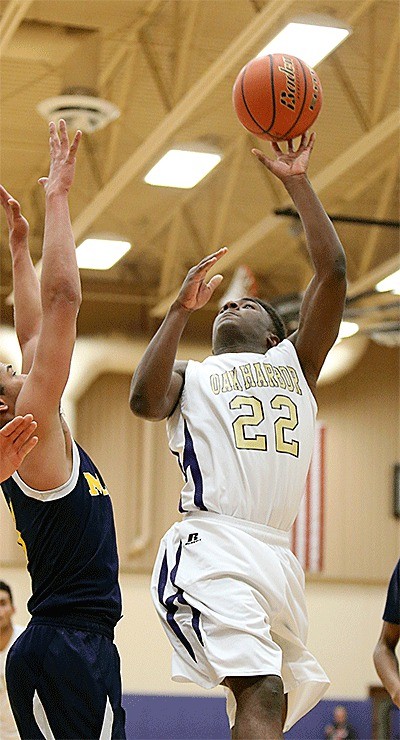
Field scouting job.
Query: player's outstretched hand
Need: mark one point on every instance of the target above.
(62, 160)
(290, 163)
(18, 227)
(195, 291)
(16, 441)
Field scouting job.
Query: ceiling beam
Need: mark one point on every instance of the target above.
(13, 15)
(229, 60)
(346, 161)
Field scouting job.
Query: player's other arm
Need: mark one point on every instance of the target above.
(386, 662)
(158, 381)
(323, 304)
(27, 304)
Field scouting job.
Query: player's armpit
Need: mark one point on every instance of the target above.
(320, 317)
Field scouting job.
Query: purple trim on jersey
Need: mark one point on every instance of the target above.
(190, 461)
(180, 507)
(169, 602)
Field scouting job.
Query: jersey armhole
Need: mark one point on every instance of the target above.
(54, 493)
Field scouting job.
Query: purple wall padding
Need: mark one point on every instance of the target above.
(155, 717)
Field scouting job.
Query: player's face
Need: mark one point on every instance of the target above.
(245, 319)
(6, 610)
(12, 383)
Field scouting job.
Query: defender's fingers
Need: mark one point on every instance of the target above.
(15, 207)
(16, 422)
(74, 146)
(53, 140)
(64, 141)
(24, 435)
(5, 195)
(28, 446)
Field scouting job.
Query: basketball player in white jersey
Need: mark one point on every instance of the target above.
(228, 589)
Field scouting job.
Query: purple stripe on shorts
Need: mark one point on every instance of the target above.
(169, 604)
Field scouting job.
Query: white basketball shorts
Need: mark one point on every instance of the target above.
(230, 595)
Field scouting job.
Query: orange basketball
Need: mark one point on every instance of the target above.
(277, 97)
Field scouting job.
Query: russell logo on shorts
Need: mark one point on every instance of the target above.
(193, 537)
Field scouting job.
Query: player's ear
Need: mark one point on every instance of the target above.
(3, 405)
(272, 341)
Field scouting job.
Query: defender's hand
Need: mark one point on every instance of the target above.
(62, 160)
(195, 291)
(18, 227)
(291, 163)
(16, 441)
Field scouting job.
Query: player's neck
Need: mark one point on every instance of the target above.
(239, 345)
(5, 636)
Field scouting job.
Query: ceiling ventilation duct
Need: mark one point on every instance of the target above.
(79, 103)
(80, 109)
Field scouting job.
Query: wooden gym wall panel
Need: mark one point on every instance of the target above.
(134, 459)
(361, 412)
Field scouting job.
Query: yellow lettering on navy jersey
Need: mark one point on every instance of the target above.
(20, 540)
(95, 487)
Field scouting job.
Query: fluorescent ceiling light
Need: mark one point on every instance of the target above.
(310, 41)
(390, 283)
(347, 329)
(179, 168)
(100, 254)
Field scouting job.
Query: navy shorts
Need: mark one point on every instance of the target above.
(65, 683)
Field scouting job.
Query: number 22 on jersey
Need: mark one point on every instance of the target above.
(285, 423)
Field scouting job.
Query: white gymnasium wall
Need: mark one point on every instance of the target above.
(345, 621)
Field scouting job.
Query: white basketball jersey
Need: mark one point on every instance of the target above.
(243, 432)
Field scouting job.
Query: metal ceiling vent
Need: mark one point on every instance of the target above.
(80, 108)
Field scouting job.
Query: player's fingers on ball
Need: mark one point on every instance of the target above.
(290, 145)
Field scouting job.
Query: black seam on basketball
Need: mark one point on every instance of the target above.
(304, 100)
(245, 102)
(271, 70)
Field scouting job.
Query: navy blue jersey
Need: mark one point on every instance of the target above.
(69, 539)
(392, 608)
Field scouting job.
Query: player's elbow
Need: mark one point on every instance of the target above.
(63, 297)
(142, 406)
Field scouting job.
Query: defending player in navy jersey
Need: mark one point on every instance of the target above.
(385, 658)
(228, 590)
(63, 673)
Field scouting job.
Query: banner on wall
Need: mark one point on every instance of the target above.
(307, 534)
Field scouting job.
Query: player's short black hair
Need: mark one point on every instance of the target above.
(5, 587)
(279, 326)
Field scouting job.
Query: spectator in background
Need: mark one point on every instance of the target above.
(386, 663)
(340, 727)
(8, 635)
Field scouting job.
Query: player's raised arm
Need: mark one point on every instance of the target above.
(27, 304)
(158, 380)
(323, 304)
(60, 299)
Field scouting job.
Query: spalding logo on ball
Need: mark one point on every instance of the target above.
(277, 97)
